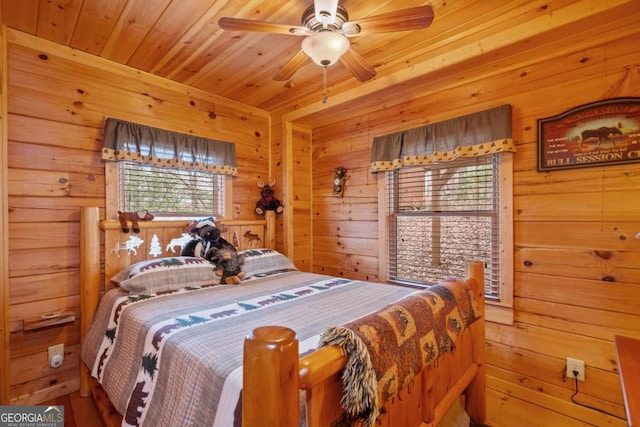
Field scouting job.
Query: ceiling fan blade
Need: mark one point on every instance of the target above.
(239, 24)
(289, 69)
(357, 65)
(414, 18)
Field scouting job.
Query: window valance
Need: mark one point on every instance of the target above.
(478, 134)
(125, 141)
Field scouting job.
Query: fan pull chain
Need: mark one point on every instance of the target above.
(324, 85)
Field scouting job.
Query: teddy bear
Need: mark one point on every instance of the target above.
(228, 265)
(268, 201)
(134, 217)
(209, 244)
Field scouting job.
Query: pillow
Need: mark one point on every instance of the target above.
(265, 262)
(166, 274)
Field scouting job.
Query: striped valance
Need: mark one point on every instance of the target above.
(125, 141)
(478, 134)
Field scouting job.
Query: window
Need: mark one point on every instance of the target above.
(170, 192)
(443, 214)
(449, 189)
(170, 174)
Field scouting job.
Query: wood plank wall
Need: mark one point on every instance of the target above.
(577, 262)
(301, 197)
(58, 101)
(4, 224)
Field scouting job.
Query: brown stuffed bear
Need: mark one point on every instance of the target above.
(228, 265)
(134, 217)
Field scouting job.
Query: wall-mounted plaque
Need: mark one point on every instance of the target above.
(601, 133)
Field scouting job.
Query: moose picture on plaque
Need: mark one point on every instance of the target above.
(600, 133)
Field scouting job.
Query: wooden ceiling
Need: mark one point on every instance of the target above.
(181, 40)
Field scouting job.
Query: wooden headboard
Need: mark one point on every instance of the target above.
(104, 240)
(163, 239)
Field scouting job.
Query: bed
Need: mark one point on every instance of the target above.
(276, 365)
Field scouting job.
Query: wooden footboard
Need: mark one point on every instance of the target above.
(273, 377)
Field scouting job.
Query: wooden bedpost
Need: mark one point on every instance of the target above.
(89, 280)
(476, 401)
(270, 232)
(271, 400)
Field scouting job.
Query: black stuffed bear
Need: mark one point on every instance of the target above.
(210, 245)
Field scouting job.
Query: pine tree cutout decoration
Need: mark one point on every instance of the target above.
(155, 249)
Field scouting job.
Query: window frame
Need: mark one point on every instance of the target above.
(496, 311)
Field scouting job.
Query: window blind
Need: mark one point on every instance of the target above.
(441, 216)
(170, 192)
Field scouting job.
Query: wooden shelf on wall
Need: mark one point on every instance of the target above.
(49, 319)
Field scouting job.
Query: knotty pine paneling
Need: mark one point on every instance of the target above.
(614, 178)
(46, 286)
(34, 308)
(43, 261)
(585, 321)
(25, 345)
(551, 405)
(361, 229)
(24, 372)
(337, 209)
(51, 235)
(89, 97)
(62, 183)
(600, 235)
(585, 206)
(40, 390)
(42, 132)
(611, 266)
(350, 245)
(532, 365)
(4, 225)
(43, 157)
(577, 261)
(596, 294)
(301, 198)
(347, 262)
(58, 101)
(25, 209)
(338, 271)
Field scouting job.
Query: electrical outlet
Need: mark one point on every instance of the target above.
(56, 350)
(575, 365)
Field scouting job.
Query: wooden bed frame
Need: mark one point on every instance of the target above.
(273, 372)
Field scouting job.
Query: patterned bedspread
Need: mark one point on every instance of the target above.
(163, 359)
(388, 347)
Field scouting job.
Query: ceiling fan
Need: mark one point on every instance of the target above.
(326, 28)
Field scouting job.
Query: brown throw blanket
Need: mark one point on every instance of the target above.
(387, 348)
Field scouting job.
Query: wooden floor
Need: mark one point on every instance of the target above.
(78, 411)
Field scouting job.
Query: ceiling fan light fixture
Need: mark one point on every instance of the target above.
(325, 47)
